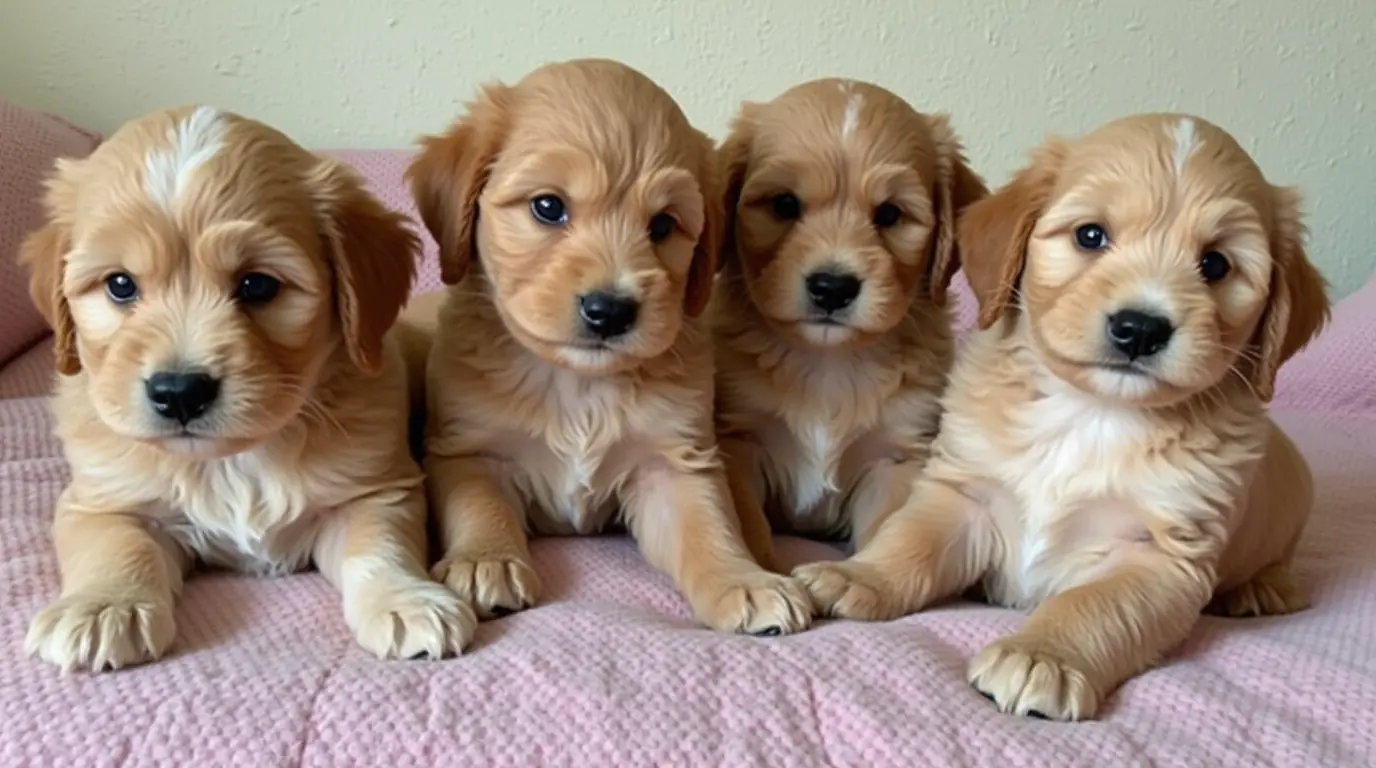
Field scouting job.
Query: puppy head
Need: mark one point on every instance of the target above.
(1152, 260)
(588, 203)
(842, 204)
(201, 268)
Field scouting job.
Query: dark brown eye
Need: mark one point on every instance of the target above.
(121, 288)
(1214, 266)
(786, 207)
(549, 209)
(1091, 237)
(258, 288)
(886, 215)
(661, 226)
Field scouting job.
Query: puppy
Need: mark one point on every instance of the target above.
(229, 391)
(1105, 456)
(832, 346)
(578, 216)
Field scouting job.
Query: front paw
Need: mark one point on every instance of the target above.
(850, 590)
(755, 603)
(1031, 677)
(495, 586)
(99, 632)
(408, 618)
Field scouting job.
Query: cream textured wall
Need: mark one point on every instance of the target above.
(1295, 81)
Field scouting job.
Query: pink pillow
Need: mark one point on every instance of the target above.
(29, 143)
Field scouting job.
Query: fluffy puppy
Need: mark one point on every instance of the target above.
(1105, 456)
(832, 345)
(578, 216)
(229, 391)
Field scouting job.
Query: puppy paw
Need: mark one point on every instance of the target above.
(1272, 592)
(99, 632)
(849, 590)
(1029, 677)
(409, 618)
(495, 586)
(756, 603)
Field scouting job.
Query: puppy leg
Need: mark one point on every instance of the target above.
(682, 521)
(937, 545)
(373, 550)
(1079, 646)
(740, 478)
(119, 583)
(1272, 592)
(881, 491)
(487, 558)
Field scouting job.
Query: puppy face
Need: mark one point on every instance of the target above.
(590, 204)
(201, 269)
(843, 200)
(1153, 260)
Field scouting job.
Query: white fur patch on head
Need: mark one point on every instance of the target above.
(851, 118)
(1186, 142)
(194, 141)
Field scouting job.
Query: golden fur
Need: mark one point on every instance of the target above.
(535, 427)
(1116, 498)
(301, 458)
(825, 417)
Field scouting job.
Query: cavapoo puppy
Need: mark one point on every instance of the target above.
(1105, 457)
(832, 345)
(578, 215)
(229, 392)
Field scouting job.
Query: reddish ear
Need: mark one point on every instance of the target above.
(706, 253)
(993, 233)
(957, 187)
(44, 253)
(1298, 306)
(450, 172)
(373, 254)
(733, 159)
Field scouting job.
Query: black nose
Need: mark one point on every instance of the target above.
(607, 315)
(1138, 334)
(832, 291)
(181, 396)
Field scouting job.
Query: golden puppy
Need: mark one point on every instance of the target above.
(1106, 455)
(230, 393)
(578, 216)
(832, 346)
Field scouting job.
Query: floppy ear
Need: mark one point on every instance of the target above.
(707, 251)
(1298, 306)
(373, 254)
(44, 253)
(957, 187)
(450, 172)
(993, 233)
(732, 160)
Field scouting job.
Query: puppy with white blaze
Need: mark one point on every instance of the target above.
(1105, 457)
(231, 389)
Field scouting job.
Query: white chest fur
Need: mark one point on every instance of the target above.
(1076, 486)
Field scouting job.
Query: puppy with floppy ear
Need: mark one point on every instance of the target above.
(578, 215)
(1105, 457)
(832, 344)
(230, 390)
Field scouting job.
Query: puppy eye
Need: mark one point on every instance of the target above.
(661, 226)
(1214, 266)
(549, 209)
(786, 207)
(121, 288)
(257, 288)
(886, 215)
(1091, 237)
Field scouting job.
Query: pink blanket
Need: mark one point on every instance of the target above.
(612, 670)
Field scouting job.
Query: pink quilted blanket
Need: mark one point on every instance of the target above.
(612, 670)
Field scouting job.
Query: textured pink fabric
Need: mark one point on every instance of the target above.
(610, 669)
(29, 143)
